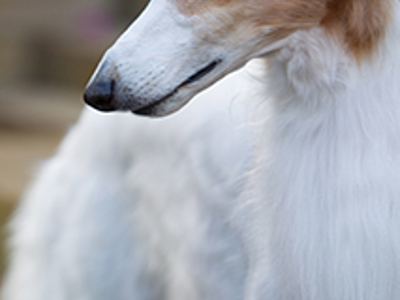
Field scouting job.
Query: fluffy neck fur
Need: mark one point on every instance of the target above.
(332, 205)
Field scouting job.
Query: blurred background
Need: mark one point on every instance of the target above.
(48, 50)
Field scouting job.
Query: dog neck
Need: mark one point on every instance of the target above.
(331, 192)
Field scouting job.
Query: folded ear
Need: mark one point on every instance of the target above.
(361, 24)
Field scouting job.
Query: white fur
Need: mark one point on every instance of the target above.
(327, 220)
(132, 208)
(302, 207)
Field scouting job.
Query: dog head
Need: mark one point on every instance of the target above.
(177, 48)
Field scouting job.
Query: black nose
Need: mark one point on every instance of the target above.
(100, 95)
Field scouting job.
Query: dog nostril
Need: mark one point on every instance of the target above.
(100, 95)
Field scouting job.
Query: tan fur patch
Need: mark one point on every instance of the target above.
(287, 14)
(192, 7)
(359, 24)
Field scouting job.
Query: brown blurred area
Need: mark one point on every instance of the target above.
(48, 49)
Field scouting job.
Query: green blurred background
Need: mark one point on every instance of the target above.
(48, 50)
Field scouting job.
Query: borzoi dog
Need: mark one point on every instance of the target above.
(281, 183)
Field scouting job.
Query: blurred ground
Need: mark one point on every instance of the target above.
(48, 49)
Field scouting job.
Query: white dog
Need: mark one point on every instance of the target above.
(216, 202)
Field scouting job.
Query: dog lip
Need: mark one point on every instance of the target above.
(147, 109)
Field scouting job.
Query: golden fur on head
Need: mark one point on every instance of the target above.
(359, 24)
